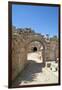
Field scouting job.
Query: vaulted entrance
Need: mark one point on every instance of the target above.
(36, 47)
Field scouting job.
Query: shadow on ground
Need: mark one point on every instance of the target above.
(29, 73)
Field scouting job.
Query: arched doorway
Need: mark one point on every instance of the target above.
(35, 51)
(42, 41)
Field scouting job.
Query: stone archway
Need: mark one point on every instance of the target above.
(35, 51)
(40, 39)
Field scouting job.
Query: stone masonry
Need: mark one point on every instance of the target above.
(21, 45)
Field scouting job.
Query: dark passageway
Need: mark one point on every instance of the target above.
(34, 49)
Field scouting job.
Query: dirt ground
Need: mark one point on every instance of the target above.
(34, 73)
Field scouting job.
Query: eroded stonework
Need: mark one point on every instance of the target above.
(21, 45)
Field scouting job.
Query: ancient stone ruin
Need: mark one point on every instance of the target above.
(25, 41)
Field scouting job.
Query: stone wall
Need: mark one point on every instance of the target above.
(54, 50)
(19, 56)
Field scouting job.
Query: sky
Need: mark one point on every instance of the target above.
(41, 19)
